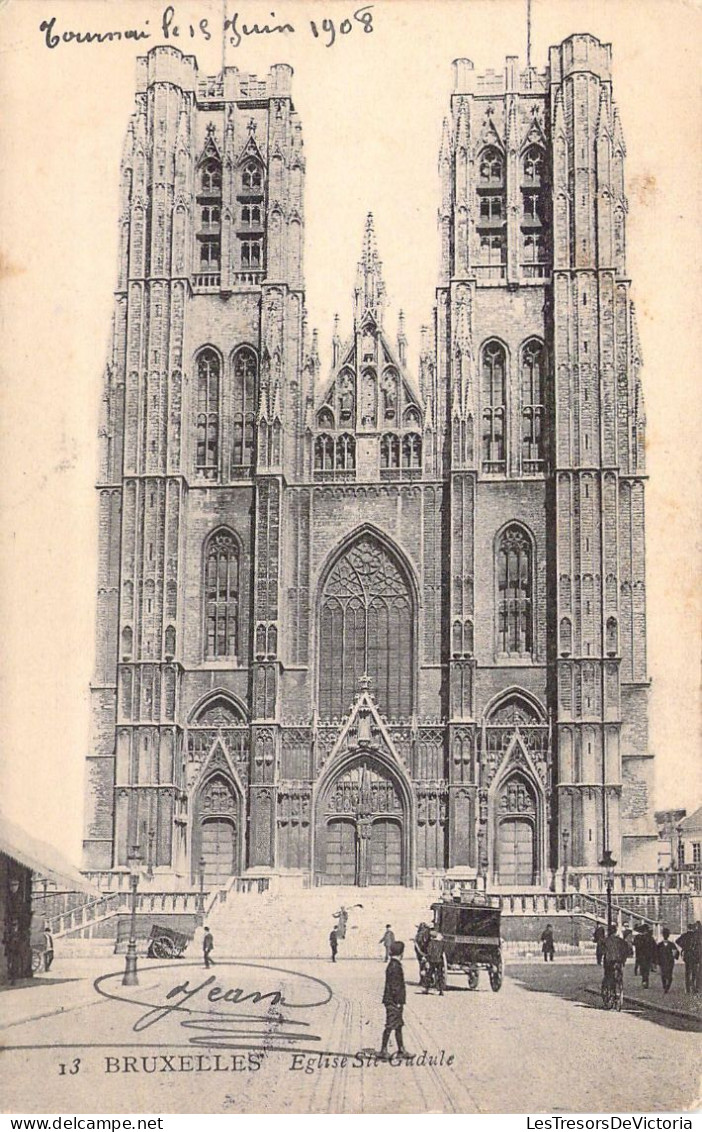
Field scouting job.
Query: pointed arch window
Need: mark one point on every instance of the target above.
(345, 452)
(207, 441)
(532, 396)
(514, 569)
(209, 234)
(221, 595)
(491, 211)
(494, 382)
(389, 451)
(534, 210)
(252, 176)
(411, 450)
(324, 454)
(366, 620)
(244, 383)
(211, 178)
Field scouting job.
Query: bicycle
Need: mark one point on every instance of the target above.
(613, 987)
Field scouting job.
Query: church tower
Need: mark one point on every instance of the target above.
(201, 407)
(540, 411)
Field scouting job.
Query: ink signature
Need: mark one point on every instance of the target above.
(211, 1005)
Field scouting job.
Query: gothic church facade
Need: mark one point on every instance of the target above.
(390, 621)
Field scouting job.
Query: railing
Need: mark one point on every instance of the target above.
(536, 270)
(490, 271)
(684, 881)
(335, 475)
(400, 473)
(114, 903)
(253, 277)
(207, 281)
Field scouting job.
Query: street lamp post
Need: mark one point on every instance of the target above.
(202, 884)
(131, 979)
(608, 864)
(566, 838)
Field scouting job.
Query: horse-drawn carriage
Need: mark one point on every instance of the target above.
(465, 936)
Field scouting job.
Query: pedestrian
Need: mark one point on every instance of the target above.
(647, 954)
(207, 946)
(639, 946)
(547, 945)
(689, 944)
(48, 947)
(599, 940)
(334, 944)
(387, 940)
(342, 917)
(394, 997)
(667, 954)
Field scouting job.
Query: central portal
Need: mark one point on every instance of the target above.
(362, 827)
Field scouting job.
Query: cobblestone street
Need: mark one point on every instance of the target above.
(543, 1044)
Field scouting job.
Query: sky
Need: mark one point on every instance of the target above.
(372, 106)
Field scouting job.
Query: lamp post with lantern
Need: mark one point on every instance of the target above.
(608, 864)
(131, 978)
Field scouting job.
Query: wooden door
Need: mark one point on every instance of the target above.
(385, 852)
(515, 852)
(341, 853)
(218, 844)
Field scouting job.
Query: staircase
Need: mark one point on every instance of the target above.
(297, 925)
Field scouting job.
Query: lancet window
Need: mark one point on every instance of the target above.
(221, 595)
(532, 396)
(514, 569)
(207, 424)
(244, 380)
(494, 374)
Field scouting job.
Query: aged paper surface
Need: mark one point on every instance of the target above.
(372, 105)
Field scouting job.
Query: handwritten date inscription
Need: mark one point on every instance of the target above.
(235, 29)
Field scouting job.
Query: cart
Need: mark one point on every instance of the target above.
(165, 943)
(469, 928)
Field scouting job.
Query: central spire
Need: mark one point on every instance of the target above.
(370, 288)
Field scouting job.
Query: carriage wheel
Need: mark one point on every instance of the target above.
(496, 974)
(37, 961)
(473, 978)
(162, 948)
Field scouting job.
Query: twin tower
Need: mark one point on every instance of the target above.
(366, 626)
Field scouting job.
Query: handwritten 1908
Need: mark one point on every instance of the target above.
(235, 28)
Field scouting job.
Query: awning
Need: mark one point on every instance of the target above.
(41, 858)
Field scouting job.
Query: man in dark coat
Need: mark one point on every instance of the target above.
(667, 954)
(689, 944)
(646, 953)
(394, 997)
(207, 945)
(387, 940)
(333, 943)
(547, 945)
(599, 940)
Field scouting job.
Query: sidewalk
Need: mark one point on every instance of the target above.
(676, 1001)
